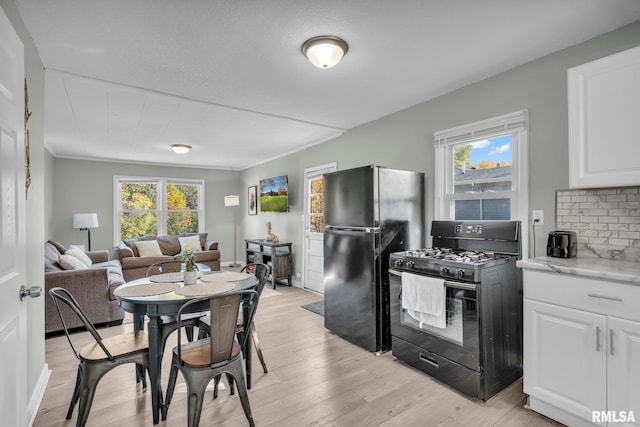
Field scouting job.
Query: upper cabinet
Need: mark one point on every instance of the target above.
(604, 121)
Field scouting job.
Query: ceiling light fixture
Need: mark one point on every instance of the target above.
(180, 148)
(325, 51)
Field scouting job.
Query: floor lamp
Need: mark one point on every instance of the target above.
(86, 221)
(233, 201)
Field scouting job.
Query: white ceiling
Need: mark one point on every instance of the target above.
(125, 79)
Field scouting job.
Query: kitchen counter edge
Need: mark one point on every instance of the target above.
(597, 268)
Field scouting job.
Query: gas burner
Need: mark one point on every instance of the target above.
(448, 254)
(429, 252)
(468, 257)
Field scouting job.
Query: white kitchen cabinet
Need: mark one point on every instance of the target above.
(561, 363)
(579, 355)
(604, 106)
(623, 367)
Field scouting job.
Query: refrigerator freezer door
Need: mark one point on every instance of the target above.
(349, 198)
(351, 287)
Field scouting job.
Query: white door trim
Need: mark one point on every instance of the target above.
(309, 173)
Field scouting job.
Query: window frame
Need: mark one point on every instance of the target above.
(515, 124)
(161, 198)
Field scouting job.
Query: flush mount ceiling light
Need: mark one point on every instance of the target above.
(325, 51)
(180, 148)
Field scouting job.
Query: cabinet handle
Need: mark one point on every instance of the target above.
(598, 338)
(611, 341)
(605, 297)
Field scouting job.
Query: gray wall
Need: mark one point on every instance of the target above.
(87, 186)
(35, 212)
(404, 140)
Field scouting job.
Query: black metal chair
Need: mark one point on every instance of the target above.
(261, 271)
(169, 323)
(99, 357)
(203, 360)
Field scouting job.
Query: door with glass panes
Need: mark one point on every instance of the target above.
(313, 248)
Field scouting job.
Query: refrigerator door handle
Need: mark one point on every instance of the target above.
(347, 228)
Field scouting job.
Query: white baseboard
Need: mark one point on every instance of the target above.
(38, 394)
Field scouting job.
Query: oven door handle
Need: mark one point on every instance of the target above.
(448, 284)
(460, 285)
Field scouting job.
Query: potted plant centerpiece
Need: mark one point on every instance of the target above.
(190, 272)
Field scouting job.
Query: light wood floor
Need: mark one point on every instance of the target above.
(314, 378)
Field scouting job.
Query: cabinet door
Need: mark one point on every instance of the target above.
(604, 106)
(624, 369)
(565, 358)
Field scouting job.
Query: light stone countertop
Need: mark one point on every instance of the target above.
(598, 268)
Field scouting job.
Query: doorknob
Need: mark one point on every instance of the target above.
(33, 292)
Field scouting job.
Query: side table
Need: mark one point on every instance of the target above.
(275, 255)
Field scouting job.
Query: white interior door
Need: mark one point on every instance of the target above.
(13, 324)
(313, 257)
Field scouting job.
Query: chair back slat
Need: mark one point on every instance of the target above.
(223, 319)
(61, 295)
(224, 316)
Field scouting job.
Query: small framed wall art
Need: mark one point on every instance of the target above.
(253, 201)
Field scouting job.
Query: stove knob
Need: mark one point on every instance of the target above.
(410, 264)
(398, 263)
(444, 270)
(460, 273)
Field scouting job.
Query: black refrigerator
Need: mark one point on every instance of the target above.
(369, 212)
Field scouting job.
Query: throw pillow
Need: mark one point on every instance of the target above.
(132, 242)
(149, 248)
(80, 256)
(71, 263)
(58, 246)
(78, 247)
(192, 242)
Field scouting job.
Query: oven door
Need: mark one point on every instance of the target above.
(459, 340)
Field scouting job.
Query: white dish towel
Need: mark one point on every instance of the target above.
(424, 299)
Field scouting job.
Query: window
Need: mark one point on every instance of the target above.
(157, 206)
(316, 204)
(481, 170)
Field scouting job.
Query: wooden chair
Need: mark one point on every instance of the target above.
(203, 360)
(99, 357)
(261, 271)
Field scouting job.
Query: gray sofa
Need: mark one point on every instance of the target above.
(134, 266)
(93, 288)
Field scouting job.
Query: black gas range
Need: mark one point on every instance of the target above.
(478, 347)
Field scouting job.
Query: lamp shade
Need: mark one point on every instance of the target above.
(232, 200)
(85, 220)
(325, 51)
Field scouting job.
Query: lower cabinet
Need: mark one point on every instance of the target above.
(623, 367)
(581, 363)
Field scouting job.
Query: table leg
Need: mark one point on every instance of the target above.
(247, 359)
(138, 322)
(154, 332)
(138, 325)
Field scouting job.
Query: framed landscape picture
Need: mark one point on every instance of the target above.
(274, 194)
(253, 201)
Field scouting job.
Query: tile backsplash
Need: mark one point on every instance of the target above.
(607, 221)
